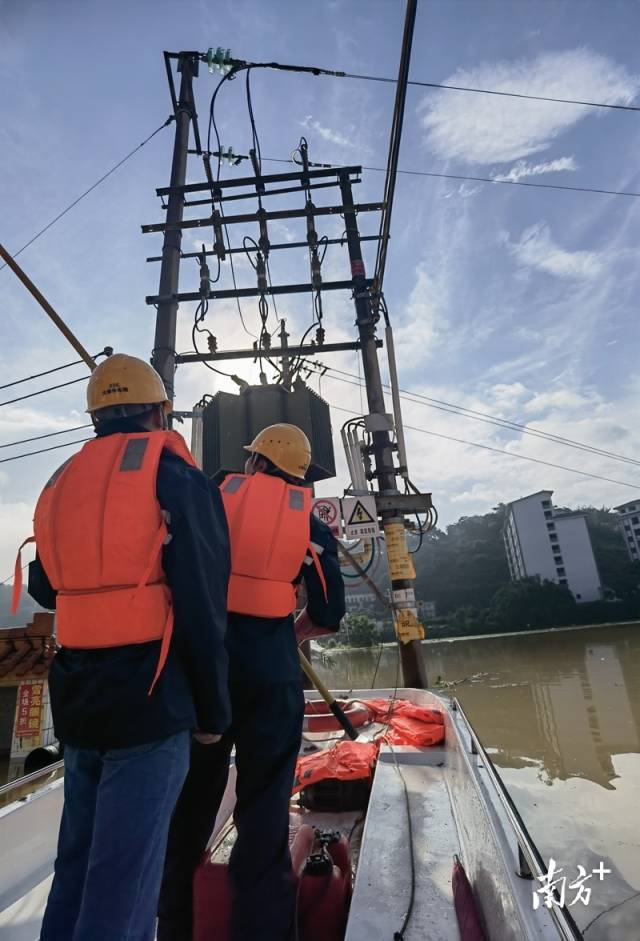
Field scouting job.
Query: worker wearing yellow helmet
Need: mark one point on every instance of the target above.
(276, 543)
(133, 553)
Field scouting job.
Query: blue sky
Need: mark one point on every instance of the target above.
(514, 301)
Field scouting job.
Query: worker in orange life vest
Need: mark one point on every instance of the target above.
(275, 543)
(130, 536)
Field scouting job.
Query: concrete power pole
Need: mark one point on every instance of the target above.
(401, 571)
(164, 347)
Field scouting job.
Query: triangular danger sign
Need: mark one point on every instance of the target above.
(360, 515)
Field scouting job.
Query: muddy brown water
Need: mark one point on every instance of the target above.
(559, 712)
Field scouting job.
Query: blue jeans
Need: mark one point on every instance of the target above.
(113, 836)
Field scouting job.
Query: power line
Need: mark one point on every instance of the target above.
(486, 447)
(91, 188)
(51, 434)
(37, 375)
(489, 419)
(471, 179)
(54, 447)
(503, 94)
(62, 385)
(395, 138)
(240, 64)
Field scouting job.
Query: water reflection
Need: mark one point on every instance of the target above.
(560, 713)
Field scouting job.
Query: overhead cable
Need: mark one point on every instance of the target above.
(395, 138)
(38, 375)
(486, 447)
(314, 70)
(485, 417)
(31, 395)
(91, 188)
(502, 94)
(53, 447)
(50, 434)
(470, 179)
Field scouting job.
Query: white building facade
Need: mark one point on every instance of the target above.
(629, 523)
(554, 548)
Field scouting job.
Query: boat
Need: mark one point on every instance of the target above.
(431, 810)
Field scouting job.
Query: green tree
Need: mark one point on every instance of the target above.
(531, 603)
(358, 630)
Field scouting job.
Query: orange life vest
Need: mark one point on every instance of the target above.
(269, 523)
(99, 531)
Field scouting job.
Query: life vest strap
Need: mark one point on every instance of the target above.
(318, 568)
(167, 634)
(17, 576)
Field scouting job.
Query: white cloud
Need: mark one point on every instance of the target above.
(537, 249)
(523, 169)
(424, 321)
(482, 129)
(326, 133)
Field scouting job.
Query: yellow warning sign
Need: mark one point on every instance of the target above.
(408, 627)
(360, 516)
(399, 557)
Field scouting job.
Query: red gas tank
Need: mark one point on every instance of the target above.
(321, 862)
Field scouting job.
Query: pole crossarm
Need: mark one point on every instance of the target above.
(251, 181)
(272, 248)
(254, 217)
(252, 292)
(308, 349)
(249, 194)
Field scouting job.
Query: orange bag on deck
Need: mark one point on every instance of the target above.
(346, 761)
(408, 724)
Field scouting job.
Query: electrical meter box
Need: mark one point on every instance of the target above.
(230, 421)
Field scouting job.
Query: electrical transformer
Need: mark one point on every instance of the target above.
(230, 421)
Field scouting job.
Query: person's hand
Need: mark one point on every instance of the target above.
(305, 629)
(206, 738)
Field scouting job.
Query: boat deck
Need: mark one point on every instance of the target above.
(382, 891)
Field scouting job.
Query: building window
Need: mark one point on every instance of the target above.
(561, 571)
(548, 514)
(557, 559)
(578, 597)
(555, 547)
(637, 532)
(546, 504)
(630, 540)
(627, 526)
(551, 527)
(563, 581)
(635, 520)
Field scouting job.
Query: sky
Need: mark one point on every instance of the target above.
(514, 301)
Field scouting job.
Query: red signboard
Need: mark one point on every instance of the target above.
(29, 710)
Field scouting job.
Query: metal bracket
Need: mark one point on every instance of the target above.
(404, 502)
(376, 422)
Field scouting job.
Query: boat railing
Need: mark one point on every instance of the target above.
(22, 787)
(530, 862)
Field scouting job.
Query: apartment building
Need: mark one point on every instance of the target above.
(629, 523)
(553, 547)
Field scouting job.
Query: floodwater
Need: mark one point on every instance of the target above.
(559, 713)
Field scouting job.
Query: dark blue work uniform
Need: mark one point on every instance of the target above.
(267, 712)
(127, 751)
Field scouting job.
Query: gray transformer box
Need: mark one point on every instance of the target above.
(230, 421)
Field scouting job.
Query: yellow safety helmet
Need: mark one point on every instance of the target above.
(125, 380)
(286, 446)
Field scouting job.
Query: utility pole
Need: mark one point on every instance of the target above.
(401, 571)
(164, 347)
